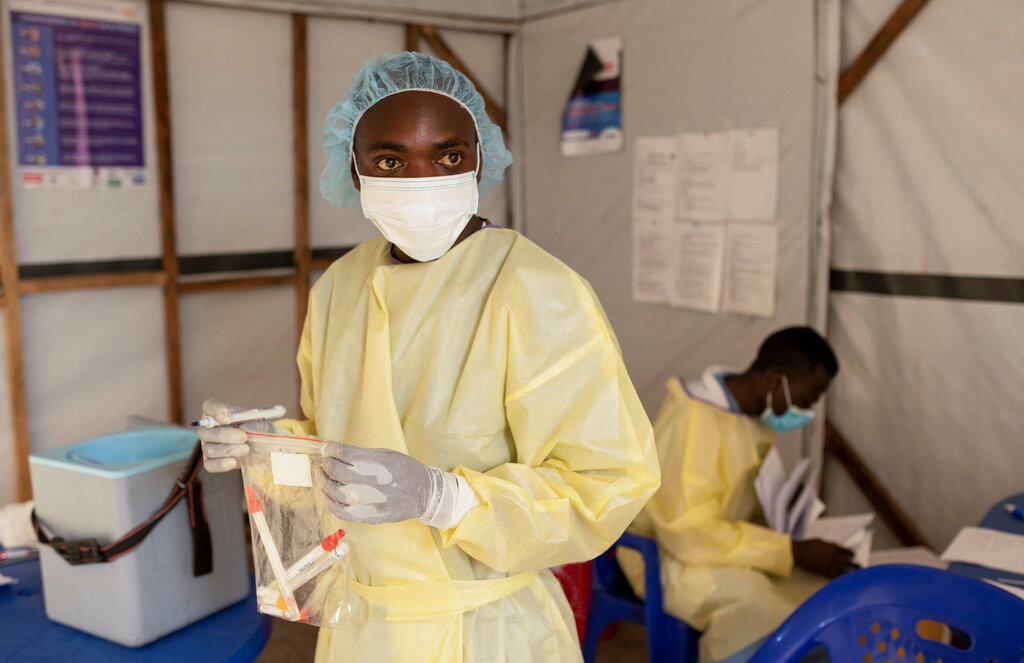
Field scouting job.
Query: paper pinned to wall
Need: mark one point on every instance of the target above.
(696, 281)
(652, 259)
(751, 265)
(703, 182)
(754, 176)
(654, 176)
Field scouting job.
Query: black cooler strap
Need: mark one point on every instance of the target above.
(89, 551)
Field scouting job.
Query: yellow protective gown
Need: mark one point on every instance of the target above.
(494, 362)
(721, 573)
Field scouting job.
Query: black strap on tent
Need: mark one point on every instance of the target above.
(89, 551)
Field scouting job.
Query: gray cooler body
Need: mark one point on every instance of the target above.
(104, 488)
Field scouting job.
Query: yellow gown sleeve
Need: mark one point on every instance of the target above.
(584, 462)
(707, 465)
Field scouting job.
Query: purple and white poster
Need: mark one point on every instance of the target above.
(78, 96)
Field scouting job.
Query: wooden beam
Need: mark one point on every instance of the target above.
(168, 242)
(211, 285)
(412, 37)
(14, 355)
(42, 284)
(300, 154)
(320, 264)
(876, 48)
(873, 488)
(494, 109)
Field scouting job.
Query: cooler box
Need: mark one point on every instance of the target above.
(105, 487)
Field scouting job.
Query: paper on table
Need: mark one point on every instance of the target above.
(842, 530)
(751, 265)
(987, 547)
(696, 280)
(862, 549)
(1016, 591)
(7, 580)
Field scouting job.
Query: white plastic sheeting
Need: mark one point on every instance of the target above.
(930, 156)
(230, 89)
(240, 347)
(92, 359)
(687, 66)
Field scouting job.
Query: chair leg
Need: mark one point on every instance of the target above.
(594, 632)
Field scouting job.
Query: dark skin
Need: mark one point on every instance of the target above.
(416, 134)
(750, 390)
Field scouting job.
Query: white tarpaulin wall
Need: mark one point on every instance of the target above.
(929, 202)
(95, 357)
(687, 66)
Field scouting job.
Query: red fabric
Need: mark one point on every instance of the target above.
(575, 581)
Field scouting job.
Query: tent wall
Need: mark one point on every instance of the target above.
(688, 66)
(928, 270)
(95, 357)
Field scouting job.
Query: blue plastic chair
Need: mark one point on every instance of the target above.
(872, 615)
(612, 600)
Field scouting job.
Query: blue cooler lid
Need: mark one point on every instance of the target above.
(121, 455)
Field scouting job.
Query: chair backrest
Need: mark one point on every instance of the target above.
(874, 615)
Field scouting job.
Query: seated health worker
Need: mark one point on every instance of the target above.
(482, 426)
(721, 573)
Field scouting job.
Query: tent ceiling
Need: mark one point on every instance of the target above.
(483, 10)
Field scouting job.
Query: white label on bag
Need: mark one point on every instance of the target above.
(290, 469)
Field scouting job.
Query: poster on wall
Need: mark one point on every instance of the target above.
(592, 119)
(78, 93)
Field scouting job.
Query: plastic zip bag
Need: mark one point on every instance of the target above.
(299, 553)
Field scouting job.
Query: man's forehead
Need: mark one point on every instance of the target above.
(420, 108)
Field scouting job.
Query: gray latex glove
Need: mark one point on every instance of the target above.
(379, 485)
(224, 446)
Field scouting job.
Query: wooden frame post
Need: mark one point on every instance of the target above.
(14, 358)
(300, 152)
(168, 239)
(872, 488)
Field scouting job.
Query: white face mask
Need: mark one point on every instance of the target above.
(422, 216)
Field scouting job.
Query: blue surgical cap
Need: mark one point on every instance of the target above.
(390, 74)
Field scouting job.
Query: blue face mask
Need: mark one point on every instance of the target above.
(794, 417)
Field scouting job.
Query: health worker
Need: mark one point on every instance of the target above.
(482, 424)
(722, 572)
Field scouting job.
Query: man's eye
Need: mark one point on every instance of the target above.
(451, 159)
(388, 163)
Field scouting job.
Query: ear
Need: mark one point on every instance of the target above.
(773, 378)
(479, 166)
(352, 172)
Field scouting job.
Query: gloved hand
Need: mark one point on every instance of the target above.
(824, 558)
(224, 446)
(375, 486)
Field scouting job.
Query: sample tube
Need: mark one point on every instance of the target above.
(274, 557)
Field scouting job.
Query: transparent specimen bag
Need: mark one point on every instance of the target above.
(299, 551)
